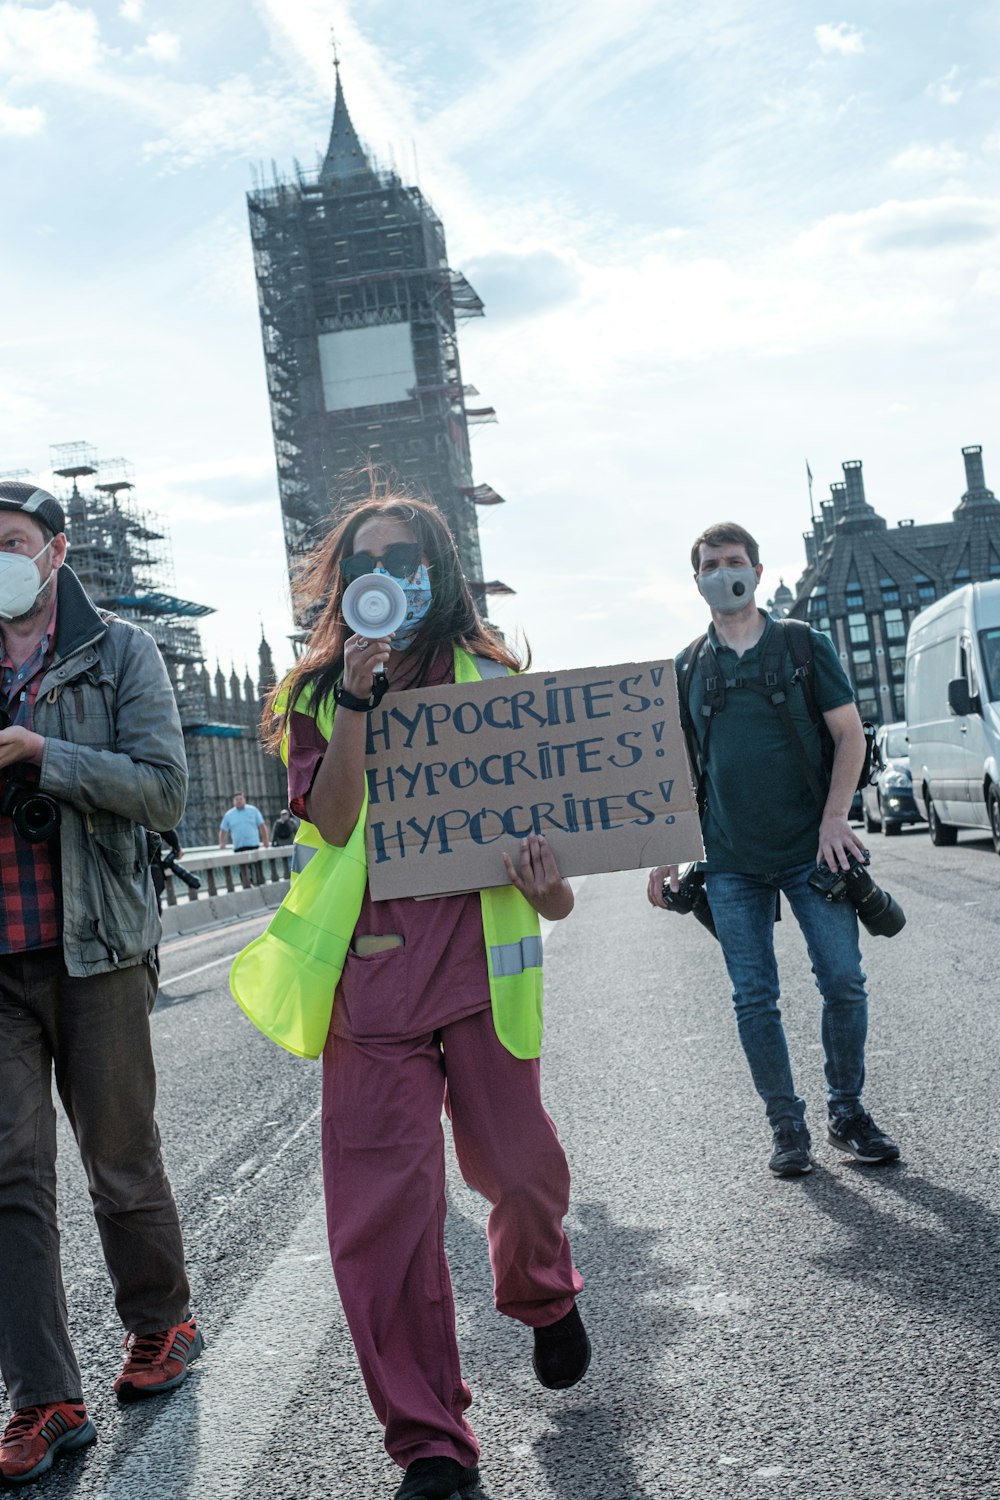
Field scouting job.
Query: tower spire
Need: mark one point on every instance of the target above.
(345, 155)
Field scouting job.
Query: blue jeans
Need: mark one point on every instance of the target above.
(743, 908)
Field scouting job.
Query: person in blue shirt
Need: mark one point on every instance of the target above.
(245, 824)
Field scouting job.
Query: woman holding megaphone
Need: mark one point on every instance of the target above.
(438, 1001)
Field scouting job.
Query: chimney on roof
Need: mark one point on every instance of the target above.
(975, 477)
(838, 498)
(855, 483)
(976, 493)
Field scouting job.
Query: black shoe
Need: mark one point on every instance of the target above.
(562, 1352)
(861, 1138)
(436, 1479)
(790, 1153)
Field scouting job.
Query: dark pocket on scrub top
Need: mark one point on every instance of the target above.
(371, 997)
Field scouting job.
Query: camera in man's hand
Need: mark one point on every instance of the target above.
(36, 816)
(168, 860)
(877, 911)
(690, 897)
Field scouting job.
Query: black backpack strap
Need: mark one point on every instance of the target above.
(684, 665)
(798, 639)
(800, 646)
(795, 641)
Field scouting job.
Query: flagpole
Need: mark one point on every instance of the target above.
(809, 476)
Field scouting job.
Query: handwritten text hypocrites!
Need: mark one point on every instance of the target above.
(592, 758)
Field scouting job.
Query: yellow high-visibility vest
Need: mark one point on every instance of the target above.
(285, 979)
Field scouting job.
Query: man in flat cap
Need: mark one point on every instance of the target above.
(91, 755)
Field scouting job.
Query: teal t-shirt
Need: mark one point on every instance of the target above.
(760, 815)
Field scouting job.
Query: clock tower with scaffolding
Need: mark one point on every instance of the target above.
(359, 310)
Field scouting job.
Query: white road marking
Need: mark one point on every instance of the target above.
(249, 1372)
(226, 958)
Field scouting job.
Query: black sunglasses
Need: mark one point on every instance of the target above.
(400, 559)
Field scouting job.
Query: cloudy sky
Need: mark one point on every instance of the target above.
(715, 239)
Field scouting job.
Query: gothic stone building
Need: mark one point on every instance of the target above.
(358, 310)
(865, 581)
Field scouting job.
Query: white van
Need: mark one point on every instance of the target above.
(953, 711)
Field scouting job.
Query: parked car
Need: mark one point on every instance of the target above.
(953, 712)
(889, 803)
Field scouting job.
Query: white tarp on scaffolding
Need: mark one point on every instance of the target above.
(367, 366)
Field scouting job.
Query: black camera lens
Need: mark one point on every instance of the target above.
(690, 897)
(36, 818)
(878, 912)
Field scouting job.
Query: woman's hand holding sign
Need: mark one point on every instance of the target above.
(539, 880)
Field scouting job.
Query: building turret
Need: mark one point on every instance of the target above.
(266, 675)
(976, 493)
(857, 514)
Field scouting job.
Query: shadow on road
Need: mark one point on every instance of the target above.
(135, 1460)
(943, 1268)
(630, 1307)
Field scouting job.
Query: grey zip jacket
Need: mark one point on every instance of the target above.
(114, 759)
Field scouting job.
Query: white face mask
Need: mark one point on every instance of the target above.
(728, 589)
(20, 583)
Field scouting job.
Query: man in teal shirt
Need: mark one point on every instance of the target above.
(765, 831)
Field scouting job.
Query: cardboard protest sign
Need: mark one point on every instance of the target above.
(593, 758)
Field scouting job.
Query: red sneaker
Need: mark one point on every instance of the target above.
(36, 1435)
(158, 1361)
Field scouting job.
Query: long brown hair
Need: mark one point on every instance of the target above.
(452, 618)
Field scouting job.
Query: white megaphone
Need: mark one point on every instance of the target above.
(374, 605)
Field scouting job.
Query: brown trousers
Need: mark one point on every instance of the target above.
(94, 1034)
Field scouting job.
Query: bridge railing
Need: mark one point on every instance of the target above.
(222, 872)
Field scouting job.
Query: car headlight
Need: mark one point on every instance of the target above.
(896, 779)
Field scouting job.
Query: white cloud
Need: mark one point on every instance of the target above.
(233, 119)
(842, 38)
(952, 227)
(131, 10)
(17, 120)
(930, 159)
(943, 90)
(162, 46)
(59, 42)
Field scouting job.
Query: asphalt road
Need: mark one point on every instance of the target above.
(829, 1338)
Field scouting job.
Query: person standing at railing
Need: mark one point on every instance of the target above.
(284, 829)
(245, 825)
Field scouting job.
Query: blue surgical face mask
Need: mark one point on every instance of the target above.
(418, 601)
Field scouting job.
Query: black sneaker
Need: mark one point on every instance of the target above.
(562, 1352)
(436, 1479)
(790, 1153)
(861, 1138)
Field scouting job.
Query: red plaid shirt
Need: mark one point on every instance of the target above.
(30, 875)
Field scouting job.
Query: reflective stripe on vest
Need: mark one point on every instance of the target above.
(285, 980)
(513, 958)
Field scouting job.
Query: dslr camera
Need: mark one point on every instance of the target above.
(879, 913)
(36, 816)
(168, 859)
(690, 896)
